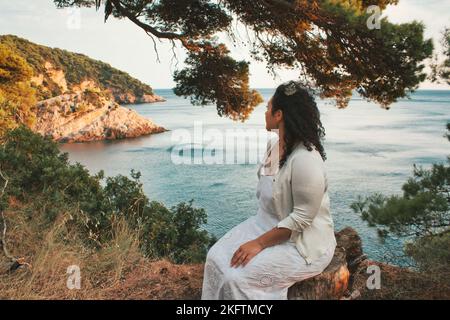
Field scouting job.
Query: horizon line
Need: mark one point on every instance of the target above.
(273, 88)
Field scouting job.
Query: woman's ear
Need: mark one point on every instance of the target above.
(278, 116)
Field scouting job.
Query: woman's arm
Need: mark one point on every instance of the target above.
(251, 248)
(308, 188)
(273, 237)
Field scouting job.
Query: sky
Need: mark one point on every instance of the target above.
(126, 47)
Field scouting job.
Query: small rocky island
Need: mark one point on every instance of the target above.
(80, 98)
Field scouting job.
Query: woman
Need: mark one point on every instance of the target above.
(291, 238)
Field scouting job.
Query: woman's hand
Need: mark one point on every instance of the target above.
(245, 253)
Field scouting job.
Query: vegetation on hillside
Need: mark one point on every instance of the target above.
(77, 68)
(17, 97)
(43, 192)
(25, 79)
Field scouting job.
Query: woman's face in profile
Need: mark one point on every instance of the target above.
(272, 120)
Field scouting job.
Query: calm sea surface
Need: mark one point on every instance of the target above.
(369, 150)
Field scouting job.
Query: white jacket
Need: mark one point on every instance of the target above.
(301, 200)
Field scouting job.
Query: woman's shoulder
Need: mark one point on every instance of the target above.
(301, 155)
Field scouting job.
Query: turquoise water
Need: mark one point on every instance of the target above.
(369, 149)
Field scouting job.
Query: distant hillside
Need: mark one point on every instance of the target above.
(58, 71)
(68, 97)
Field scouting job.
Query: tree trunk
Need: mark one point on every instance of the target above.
(329, 285)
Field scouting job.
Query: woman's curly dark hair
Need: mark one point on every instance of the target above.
(301, 119)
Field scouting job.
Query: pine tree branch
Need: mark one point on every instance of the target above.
(147, 28)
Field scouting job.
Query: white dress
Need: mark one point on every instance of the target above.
(270, 273)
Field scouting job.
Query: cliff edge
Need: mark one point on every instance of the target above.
(89, 116)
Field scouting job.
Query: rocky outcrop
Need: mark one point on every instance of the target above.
(130, 98)
(56, 75)
(148, 98)
(83, 85)
(89, 116)
(86, 113)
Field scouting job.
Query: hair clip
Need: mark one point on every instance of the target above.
(290, 88)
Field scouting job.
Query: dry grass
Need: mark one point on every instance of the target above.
(401, 284)
(115, 271)
(119, 271)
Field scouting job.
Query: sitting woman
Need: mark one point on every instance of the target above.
(291, 237)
